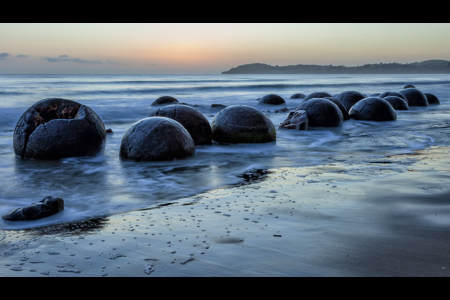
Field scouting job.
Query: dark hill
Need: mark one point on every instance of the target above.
(434, 66)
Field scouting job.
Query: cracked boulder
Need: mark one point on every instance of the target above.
(156, 139)
(373, 109)
(54, 128)
(341, 107)
(322, 112)
(42, 209)
(193, 120)
(414, 97)
(242, 124)
(396, 94)
(397, 102)
(297, 119)
(349, 98)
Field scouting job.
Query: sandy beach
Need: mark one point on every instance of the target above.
(383, 218)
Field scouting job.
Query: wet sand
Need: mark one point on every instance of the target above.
(383, 218)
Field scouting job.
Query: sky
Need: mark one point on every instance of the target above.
(210, 48)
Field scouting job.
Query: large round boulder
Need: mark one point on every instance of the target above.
(298, 96)
(397, 102)
(322, 112)
(242, 124)
(396, 94)
(54, 128)
(432, 99)
(349, 98)
(317, 95)
(193, 120)
(341, 107)
(165, 100)
(373, 109)
(271, 99)
(156, 139)
(414, 97)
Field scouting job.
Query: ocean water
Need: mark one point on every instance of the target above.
(104, 184)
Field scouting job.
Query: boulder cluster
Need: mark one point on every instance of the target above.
(324, 110)
(54, 128)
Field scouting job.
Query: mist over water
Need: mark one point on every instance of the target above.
(105, 184)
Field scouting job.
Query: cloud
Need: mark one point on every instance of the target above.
(65, 58)
(22, 56)
(113, 62)
(4, 56)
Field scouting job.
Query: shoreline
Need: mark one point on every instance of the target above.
(383, 218)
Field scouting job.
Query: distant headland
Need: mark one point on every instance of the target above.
(433, 66)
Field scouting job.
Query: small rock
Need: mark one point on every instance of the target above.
(44, 208)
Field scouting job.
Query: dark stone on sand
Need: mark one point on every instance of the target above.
(341, 107)
(414, 97)
(42, 209)
(242, 124)
(432, 99)
(322, 112)
(271, 99)
(373, 109)
(156, 139)
(349, 98)
(409, 86)
(317, 95)
(193, 120)
(54, 128)
(298, 96)
(397, 102)
(165, 100)
(297, 119)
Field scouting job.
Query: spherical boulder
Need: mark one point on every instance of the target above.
(54, 128)
(322, 112)
(414, 97)
(165, 100)
(397, 102)
(271, 99)
(42, 209)
(373, 109)
(396, 94)
(349, 98)
(341, 107)
(193, 120)
(409, 86)
(298, 96)
(242, 124)
(317, 95)
(432, 99)
(156, 139)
